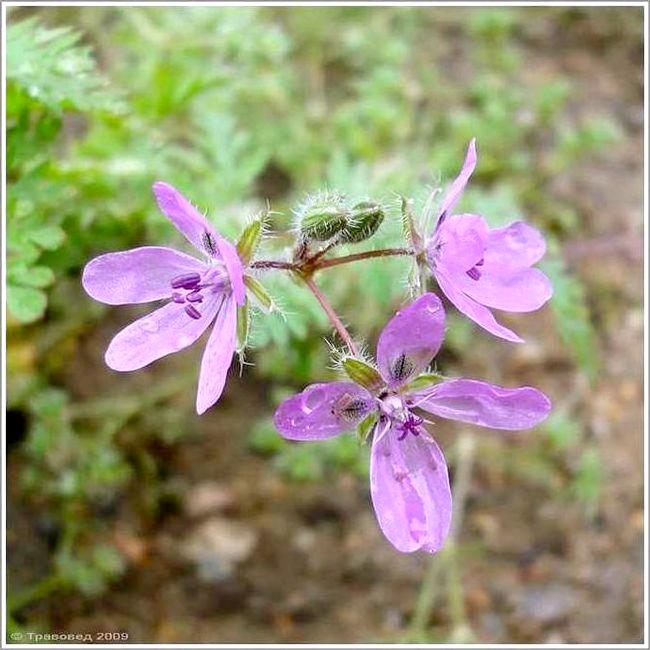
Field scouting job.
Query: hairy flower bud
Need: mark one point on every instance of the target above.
(322, 224)
(323, 216)
(364, 221)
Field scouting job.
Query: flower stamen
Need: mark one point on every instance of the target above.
(192, 312)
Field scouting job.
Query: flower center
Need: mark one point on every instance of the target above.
(409, 426)
(394, 408)
(189, 289)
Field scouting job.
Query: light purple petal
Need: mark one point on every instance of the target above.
(235, 269)
(523, 290)
(458, 186)
(137, 275)
(411, 339)
(515, 246)
(323, 410)
(410, 491)
(477, 402)
(166, 330)
(189, 221)
(473, 310)
(217, 356)
(460, 243)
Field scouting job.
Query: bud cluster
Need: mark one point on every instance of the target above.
(328, 217)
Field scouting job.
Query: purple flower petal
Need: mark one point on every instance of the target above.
(458, 186)
(411, 339)
(137, 275)
(472, 309)
(323, 410)
(477, 402)
(166, 330)
(410, 491)
(189, 221)
(235, 269)
(522, 291)
(217, 356)
(460, 243)
(515, 246)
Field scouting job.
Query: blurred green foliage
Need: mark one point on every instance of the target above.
(234, 106)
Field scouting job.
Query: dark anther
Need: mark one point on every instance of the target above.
(474, 273)
(186, 281)
(192, 312)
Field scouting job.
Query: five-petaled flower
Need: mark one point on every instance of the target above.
(408, 475)
(197, 293)
(479, 268)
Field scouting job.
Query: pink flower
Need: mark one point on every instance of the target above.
(196, 293)
(408, 475)
(479, 268)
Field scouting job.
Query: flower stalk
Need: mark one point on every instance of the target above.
(331, 314)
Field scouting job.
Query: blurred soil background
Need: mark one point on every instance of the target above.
(127, 512)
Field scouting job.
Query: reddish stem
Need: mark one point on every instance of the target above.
(273, 264)
(346, 259)
(331, 314)
(314, 264)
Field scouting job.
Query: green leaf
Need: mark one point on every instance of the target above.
(26, 304)
(51, 67)
(588, 480)
(37, 277)
(562, 430)
(48, 237)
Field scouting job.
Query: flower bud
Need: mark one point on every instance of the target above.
(364, 221)
(323, 216)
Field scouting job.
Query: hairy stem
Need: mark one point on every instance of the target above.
(331, 314)
(315, 263)
(346, 259)
(273, 264)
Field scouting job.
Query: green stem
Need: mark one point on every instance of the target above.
(447, 559)
(31, 594)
